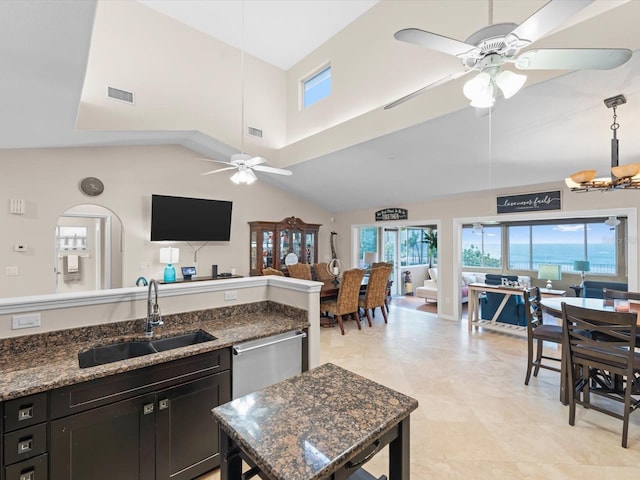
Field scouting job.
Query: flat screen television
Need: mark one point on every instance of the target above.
(190, 219)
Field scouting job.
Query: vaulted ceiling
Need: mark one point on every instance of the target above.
(556, 125)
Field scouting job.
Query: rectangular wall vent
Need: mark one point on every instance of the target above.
(121, 95)
(254, 132)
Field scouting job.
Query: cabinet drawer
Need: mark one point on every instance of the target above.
(25, 411)
(103, 391)
(33, 469)
(25, 443)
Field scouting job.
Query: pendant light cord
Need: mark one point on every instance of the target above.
(242, 80)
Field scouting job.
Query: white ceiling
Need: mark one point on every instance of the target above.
(547, 131)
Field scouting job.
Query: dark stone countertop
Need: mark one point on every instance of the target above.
(308, 426)
(40, 362)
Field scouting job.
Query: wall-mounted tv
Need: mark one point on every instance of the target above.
(190, 219)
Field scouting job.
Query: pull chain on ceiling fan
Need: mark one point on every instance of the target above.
(243, 163)
(489, 49)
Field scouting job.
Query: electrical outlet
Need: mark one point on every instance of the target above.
(231, 295)
(145, 265)
(11, 270)
(25, 321)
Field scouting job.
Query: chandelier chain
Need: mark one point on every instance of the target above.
(615, 125)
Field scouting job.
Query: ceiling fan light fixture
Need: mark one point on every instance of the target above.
(510, 83)
(480, 90)
(244, 175)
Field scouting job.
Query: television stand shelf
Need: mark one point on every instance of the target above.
(201, 279)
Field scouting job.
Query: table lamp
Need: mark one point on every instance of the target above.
(370, 258)
(550, 272)
(581, 266)
(169, 256)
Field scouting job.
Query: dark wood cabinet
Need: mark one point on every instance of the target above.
(271, 242)
(154, 423)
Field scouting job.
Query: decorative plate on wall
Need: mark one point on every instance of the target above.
(91, 186)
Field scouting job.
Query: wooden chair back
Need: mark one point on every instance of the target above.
(300, 270)
(601, 349)
(322, 274)
(272, 271)
(349, 292)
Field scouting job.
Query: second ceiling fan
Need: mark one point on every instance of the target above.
(492, 47)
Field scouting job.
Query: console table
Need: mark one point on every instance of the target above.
(475, 289)
(315, 426)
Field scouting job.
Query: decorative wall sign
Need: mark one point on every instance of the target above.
(529, 202)
(392, 214)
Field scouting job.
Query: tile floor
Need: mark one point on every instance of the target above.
(477, 419)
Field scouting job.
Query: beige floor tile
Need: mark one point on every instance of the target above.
(476, 419)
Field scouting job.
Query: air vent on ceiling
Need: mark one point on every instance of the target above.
(254, 132)
(121, 95)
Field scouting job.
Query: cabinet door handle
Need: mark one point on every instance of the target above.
(30, 475)
(25, 413)
(163, 404)
(148, 408)
(25, 446)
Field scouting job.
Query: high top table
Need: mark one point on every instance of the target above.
(322, 424)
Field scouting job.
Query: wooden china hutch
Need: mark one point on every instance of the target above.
(271, 242)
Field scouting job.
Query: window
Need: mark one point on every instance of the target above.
(482, 246)
(368, 241)
(316, 87)
(562, 244)
(414, 249)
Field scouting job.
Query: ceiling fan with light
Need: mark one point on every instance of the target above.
(491, 48)
(245, 164)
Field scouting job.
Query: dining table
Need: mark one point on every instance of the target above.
(553, 306)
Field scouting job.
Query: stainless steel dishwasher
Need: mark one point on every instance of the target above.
(265, 361)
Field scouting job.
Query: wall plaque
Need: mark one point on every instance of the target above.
(392, 214)
(529, 202)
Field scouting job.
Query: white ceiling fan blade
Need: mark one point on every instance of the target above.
(442, 81)
(219, 170)
(277, 171)
(252, 162)
(573, 59)
(217, 161)
(435, 42)
(547, 18)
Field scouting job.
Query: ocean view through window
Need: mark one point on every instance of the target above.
(525, 246)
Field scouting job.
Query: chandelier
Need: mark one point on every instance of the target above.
(622, 176)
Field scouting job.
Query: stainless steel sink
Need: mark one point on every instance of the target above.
(124, 350)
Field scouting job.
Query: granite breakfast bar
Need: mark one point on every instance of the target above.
(322, 424)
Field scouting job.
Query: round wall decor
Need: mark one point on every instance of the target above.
(91, 186)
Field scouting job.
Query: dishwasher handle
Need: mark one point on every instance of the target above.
(240, 351)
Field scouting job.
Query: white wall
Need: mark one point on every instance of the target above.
(449, 214)
(48, 180)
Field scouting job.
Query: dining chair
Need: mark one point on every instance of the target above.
(300, 270)
(375, 293)
(387, 297)
(594, 365)
(538, 332)
(272, 271)
(322, 274)
(347, 301)
(609, 296)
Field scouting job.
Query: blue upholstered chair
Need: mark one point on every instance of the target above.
(513, 311)
(593, 289)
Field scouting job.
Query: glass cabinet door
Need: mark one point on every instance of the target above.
(284, 245)
(297, 245)
(267, 249)
(310, 248)
(254, 250)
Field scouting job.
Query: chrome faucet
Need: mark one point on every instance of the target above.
(154, 319)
